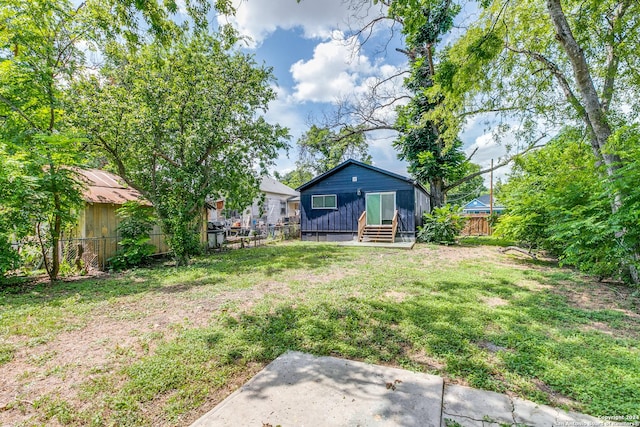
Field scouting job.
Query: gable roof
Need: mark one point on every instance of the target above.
(364, 165)
(483, 202)
(105, 187)
(270, 185)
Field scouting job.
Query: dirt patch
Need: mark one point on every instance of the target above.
(494, 302)
(117, 335)
(598, 296)
(445, 254)
(533, 285)
(396, 296)
(593, 295)
(631, 329)
(327, 276)
(491, 347)
(600, 327)
(220, 394)
(422, 358)
(556, 399)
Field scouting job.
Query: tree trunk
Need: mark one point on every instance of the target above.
(55, 250)
(594, 109)
(436, 189)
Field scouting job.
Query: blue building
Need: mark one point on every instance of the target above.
(356, 201)
(480, 206)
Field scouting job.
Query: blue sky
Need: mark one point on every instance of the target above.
(316, 63)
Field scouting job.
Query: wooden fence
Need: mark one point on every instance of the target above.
(477, 225)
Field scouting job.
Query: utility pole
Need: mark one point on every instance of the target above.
(490, 198)
(491, 189)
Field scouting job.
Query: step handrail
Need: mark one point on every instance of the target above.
(362, 222)
(394, 227)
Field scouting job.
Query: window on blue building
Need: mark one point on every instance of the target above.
(325, 201)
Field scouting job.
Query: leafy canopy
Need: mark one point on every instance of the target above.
(180, 123)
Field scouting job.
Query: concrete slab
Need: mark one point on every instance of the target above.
(532, 414)
(298, 389)
(566, 419)
(472, 407)
(301, 390)
(468, 407)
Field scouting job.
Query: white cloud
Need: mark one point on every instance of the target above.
(182, 7)
(335, 71)
(339, 69)
(259, 18)
(285, 112)
(489, 149)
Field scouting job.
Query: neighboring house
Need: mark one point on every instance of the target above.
(277, 204)
(97, 225)
(480, 205)
(359, 201)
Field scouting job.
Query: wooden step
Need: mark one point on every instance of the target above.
(378, 233)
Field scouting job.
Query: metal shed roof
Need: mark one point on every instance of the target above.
(106, 187)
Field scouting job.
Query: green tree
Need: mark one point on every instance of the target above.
(432, 158)
(294, 178)
(37, 56)
(13, 191)
(321, 149)
(551, 63)
(40, 54)
(427, 139)
(180, 123)
(567, 210)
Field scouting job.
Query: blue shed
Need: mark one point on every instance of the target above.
(356, 201)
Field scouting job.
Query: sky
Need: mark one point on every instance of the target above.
(316, 64)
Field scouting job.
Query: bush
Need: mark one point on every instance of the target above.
(135, 225)
(442, 225)
(9, 258)
(567, 210)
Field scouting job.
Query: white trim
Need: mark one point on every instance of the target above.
(335, 196)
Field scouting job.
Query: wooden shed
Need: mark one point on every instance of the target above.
(96, 229)
(357, 201)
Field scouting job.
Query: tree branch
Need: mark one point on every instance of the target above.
(613, 60)
(475, 150)
(355, 131)
(564, 85)
(504, 162)
(122, 171)
(21, 113)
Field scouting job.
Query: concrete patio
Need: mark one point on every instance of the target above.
(302, 390)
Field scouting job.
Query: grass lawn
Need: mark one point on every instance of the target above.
(162, 346)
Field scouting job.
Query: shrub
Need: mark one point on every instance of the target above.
(9, 258)
(442, 225)
(136, 222)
